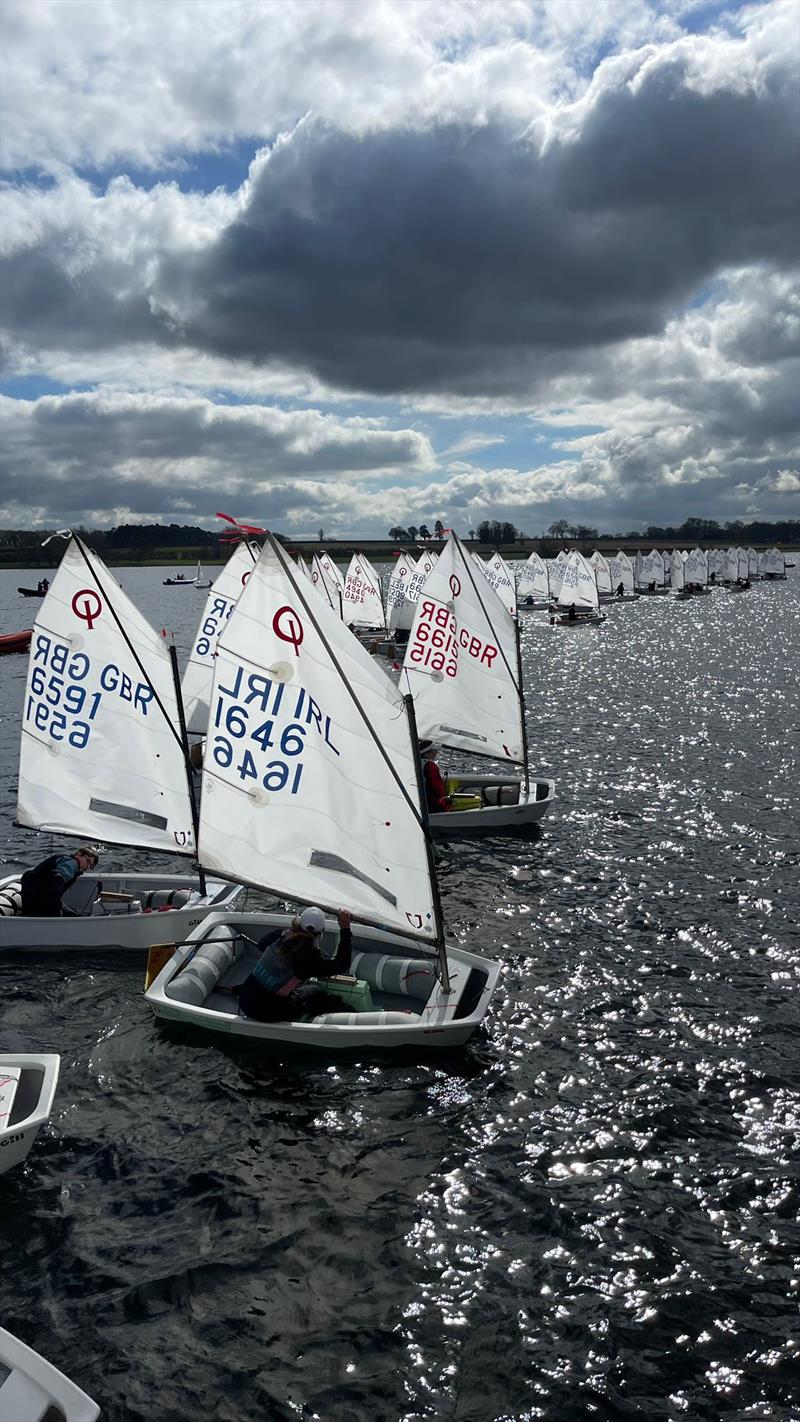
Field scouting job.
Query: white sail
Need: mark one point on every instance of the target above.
(362, 604)
(695, 569)
(743, 566)
(578, 586)
(199, 673)
(621, 571)
(752, 562)
(461, 661)
(399, 610)
(308, 766)
(717, 559)
(423, 567)
(732, 565)
(99, 759)
(651, 569)
(500, 577)
(533, 580)
(329, 588)
(555, 573)
(774, 563)
(602, 572)
(676, 574)
(331, 570)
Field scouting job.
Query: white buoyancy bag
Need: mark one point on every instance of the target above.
(99, 757)
(309, 780)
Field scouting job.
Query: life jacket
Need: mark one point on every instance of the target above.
(273, 972)
(41, 885)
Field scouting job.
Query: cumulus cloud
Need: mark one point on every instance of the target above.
(584, 214)
(85, 451)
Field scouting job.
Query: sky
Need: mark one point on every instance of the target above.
(345, 266)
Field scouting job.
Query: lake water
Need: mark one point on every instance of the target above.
(589, 1213)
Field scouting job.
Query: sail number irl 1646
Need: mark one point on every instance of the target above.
(262, 730)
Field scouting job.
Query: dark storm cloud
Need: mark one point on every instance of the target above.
(457, 259)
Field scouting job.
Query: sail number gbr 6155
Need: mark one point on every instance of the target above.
(259, 730)
(437, 641)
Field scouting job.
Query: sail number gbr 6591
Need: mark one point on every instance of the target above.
(259, 730)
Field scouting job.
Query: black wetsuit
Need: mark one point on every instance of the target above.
(277, 990)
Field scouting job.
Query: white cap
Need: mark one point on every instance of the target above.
(313, 919)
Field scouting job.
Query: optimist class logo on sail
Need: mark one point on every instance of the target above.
(266, 725)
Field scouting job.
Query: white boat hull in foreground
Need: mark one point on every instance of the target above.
(32, 1389)
(502, 807)
(102, 922)
(221, 954)
(27, 1087)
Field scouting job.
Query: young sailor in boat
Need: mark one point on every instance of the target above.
(436, 796)
(44, 886)
(278, 989)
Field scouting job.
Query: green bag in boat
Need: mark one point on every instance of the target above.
(355, 993)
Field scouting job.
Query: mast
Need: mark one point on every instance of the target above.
(438, 917)
(173, 658)
(523, 727)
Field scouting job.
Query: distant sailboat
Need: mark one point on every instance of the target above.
(578, 602)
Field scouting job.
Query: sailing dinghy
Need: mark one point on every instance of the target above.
(311, 790)
(199, 672)
(27, 1087)
(362, 601)
(33, 1390)
(102, 758)
(463, 667)
(532, 587)
(578, 601)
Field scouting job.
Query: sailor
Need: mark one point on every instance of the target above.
(620, 589)
(44, 886)
(436, 796)
(278, 989)
(572, 614)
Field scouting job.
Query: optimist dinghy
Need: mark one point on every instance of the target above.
(578, 601)
(102, 757)
(311, 753)
(463, 668)
(532, 588)
(32, 1390)
(27, 1087)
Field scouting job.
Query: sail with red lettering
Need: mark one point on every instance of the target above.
(199, 673)
(101, 755)
(461, 661)
(578, 586)
(309, 779)
(362, 603)
(500, 577)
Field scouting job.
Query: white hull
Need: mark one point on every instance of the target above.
(494, 819)
(27, 1087)
(434, 1023)
(127, 931)
(34, 1389)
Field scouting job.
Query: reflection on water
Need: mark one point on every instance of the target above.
(590, 1213)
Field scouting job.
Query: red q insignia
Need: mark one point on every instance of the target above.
(415, 919)
(287, 625)
(455, 585)
(245, 577)
(87, 606)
